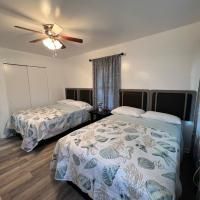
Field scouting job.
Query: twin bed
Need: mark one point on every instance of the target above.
(126, 156)
(37, 124)
(44, 122)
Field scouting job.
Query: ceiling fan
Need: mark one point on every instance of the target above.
(52, 37)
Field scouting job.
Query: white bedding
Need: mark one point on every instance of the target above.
(44, 122)
(122, 157)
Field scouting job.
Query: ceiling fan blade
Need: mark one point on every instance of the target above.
(27, 29)
(37, 40)
(65, 37)
(63, 46)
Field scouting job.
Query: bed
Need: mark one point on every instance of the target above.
(123, 157)
(44, 122)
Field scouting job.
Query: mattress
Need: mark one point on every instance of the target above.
(44, 122)
(121, 157)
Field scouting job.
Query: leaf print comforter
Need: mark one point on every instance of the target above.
(121, 157)
(41, 123)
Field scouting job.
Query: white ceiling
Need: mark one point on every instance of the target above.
(99, 23)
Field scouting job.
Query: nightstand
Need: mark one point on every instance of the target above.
(95, 115)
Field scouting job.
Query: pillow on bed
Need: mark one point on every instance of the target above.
(162, 117)
(81, 105)
(126, 110)
(66, 101)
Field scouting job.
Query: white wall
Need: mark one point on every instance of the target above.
(195, 73)
(160, 61)
(54, 71)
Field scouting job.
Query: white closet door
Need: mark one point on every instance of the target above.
(4, 106)
(17, 87)
(38, 86)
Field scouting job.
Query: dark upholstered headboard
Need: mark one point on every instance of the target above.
(134, 98)
(71, 93)
(86, 95)
(81, 94)
(175, 102)
(180, 103)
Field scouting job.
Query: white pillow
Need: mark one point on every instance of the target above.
(162, 117)
(127, 110)
(81, 105)
(66, 101)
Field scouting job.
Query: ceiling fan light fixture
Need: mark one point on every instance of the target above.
(56, 29)
(52, 44)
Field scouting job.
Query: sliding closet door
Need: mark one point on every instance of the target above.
(17, 87)
(38, 86)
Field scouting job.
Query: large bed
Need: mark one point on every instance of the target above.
(44, 122)
(126, 157)
(122, 157)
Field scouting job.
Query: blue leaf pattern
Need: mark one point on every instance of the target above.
(85, 182)
(91, 164)
(158, 191)
(76, 159)
(109, 174)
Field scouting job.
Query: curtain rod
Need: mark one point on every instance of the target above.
(120, 54)
(20, 65)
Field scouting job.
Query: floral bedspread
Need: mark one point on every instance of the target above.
(121, 158)
(44, 122)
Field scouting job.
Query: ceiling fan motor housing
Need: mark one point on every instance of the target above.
(52, 29)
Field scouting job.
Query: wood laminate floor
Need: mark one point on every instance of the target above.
(26, 176)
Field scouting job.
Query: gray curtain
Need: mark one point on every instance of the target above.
(107, 81)
(196, 151)
(197, 130)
